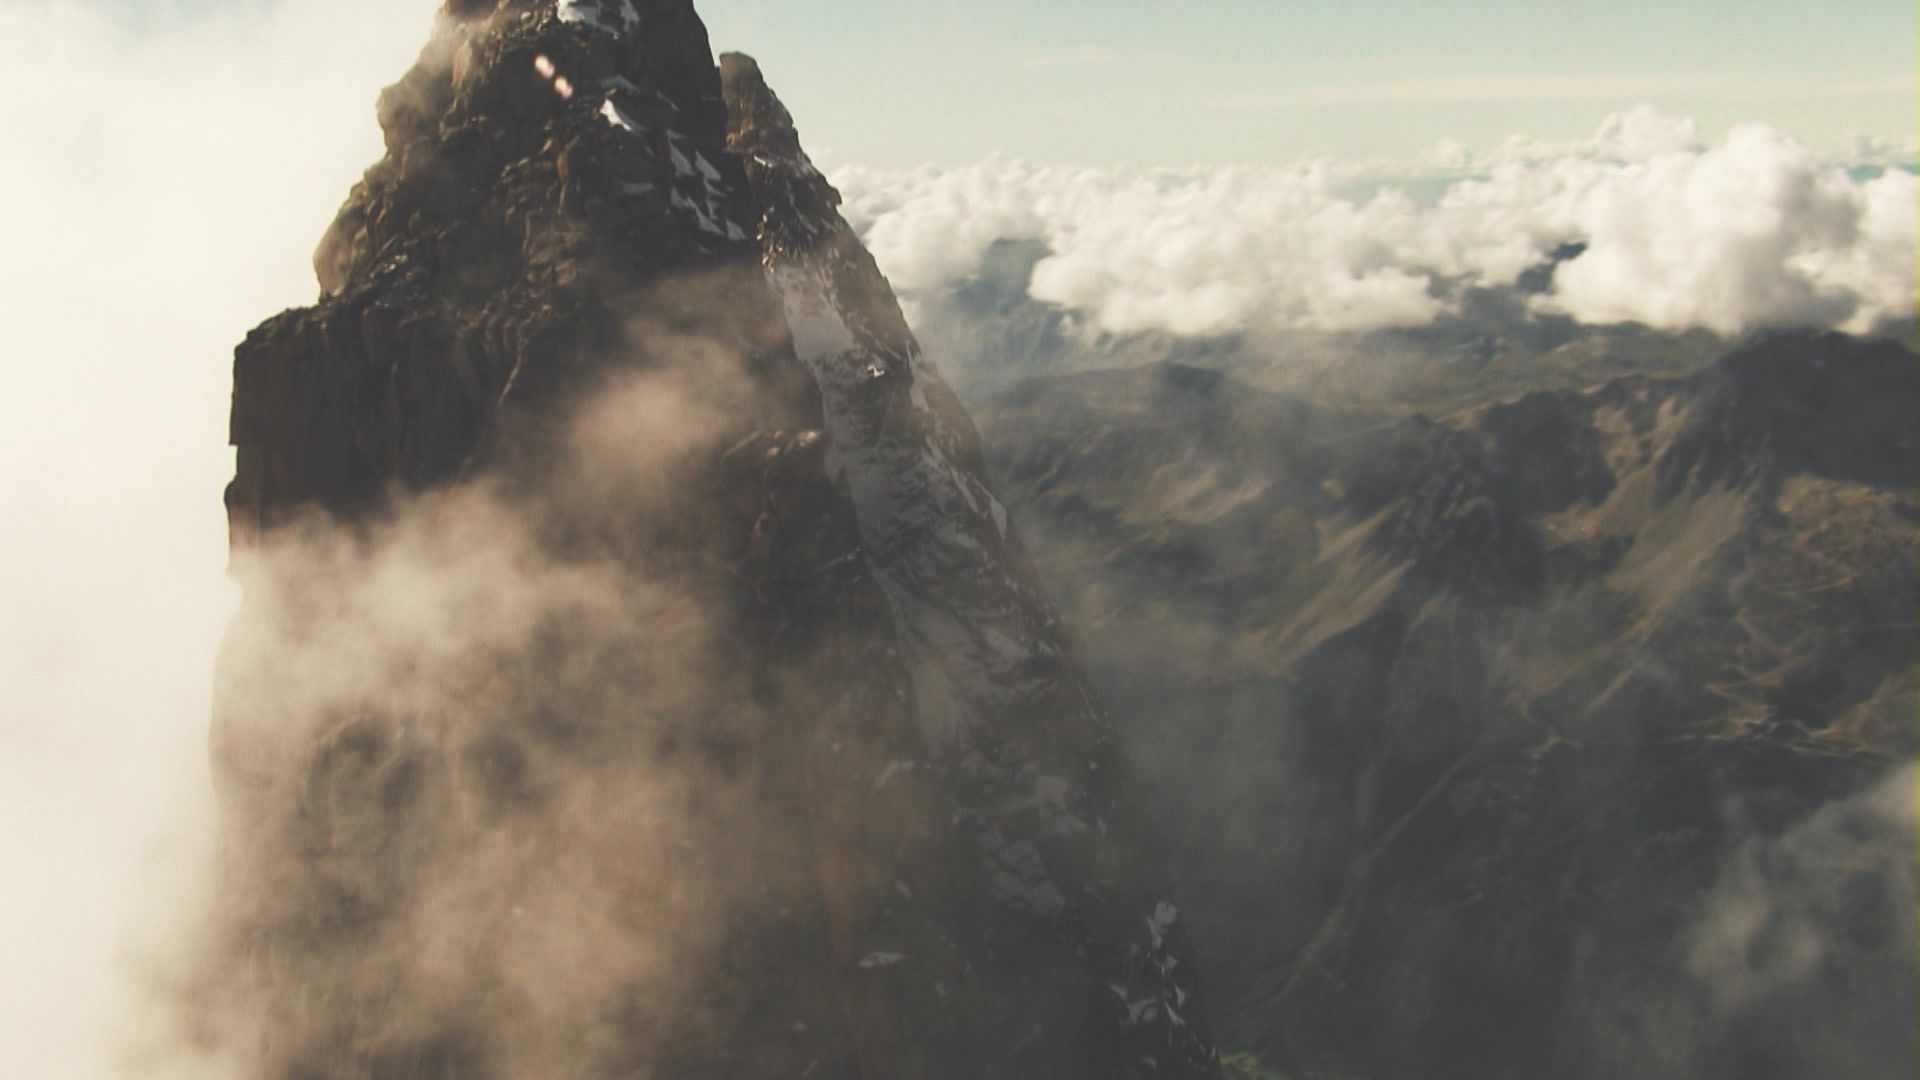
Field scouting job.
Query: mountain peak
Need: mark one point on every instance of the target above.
(758, 117)
(807, 775)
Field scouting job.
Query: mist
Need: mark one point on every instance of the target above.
(494, 802)
(166, 187)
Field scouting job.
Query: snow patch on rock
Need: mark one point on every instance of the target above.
(614, 115)
(615, 17)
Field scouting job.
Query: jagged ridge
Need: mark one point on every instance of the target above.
(1462, 725)
(932, 861)
(1046, 795)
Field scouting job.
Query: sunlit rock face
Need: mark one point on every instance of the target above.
(636, 675)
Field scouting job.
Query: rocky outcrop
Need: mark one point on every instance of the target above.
(635, 675)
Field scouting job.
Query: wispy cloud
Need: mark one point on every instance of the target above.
(1478, 88)
(1474, 89)
(1803, 89)
(1084, 54)
(1093, 54)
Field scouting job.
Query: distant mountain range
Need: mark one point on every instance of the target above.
(1566, 733)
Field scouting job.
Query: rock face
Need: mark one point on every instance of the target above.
(635, 674)
(1046, 798)
(1569, 735)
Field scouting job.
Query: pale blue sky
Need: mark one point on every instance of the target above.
(1173, 82)
(1178, 81)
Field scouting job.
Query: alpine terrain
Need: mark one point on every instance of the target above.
(636, 673)
(644, 667)
(1566, 733)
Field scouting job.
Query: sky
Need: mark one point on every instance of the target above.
(171, 164)
(1175, 82)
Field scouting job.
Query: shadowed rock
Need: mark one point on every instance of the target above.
(635, 676)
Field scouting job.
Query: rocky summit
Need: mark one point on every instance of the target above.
(636, 674)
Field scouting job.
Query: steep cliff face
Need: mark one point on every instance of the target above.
(1568, 735)
(1046, 798)
(635, 674)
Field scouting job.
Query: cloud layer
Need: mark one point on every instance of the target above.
(1751, 231)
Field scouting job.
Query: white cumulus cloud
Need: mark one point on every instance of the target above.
(1749, 231)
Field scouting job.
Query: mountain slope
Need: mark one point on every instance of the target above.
(1568, 736)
